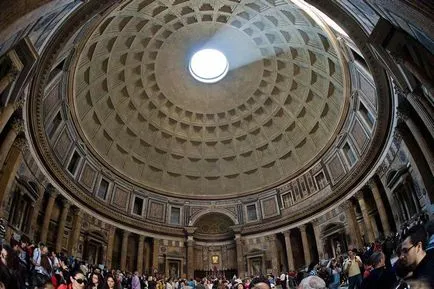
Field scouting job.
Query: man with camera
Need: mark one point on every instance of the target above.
(352, 266)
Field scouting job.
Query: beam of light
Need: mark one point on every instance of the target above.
(318, 13)
(242, 51)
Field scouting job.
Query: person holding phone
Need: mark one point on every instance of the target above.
(352, 266)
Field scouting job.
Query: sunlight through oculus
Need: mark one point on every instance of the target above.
(208, 65)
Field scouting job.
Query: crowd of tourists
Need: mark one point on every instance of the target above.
(401, 262)
(408, 264)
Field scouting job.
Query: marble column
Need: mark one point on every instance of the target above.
(6, 145)
(206, 262)
(374, 226)
(403, 131)
(380, 207)
(6, 113)
(190, 251)
(75, 233)
(104, 254)
(224, 261)
(9, 172)
(190, 257)
(7, 79)
(427, 151)
(318, 240)
(304, 240)
(140, 248)
(239, 251)
(289, 255)
(61, 226)
(155, 254)
(48, 210)
(124, 250)
(110, 244)
(424, 110)
(353, 226)
(147, 257)
(240, 255)
(366, 220)
(35, 212)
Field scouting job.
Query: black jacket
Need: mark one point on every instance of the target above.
(380, 278)
(425, 270)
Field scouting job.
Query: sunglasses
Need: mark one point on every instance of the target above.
(406, 250)
(80, 281)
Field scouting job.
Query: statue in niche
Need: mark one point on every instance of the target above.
(173, 272)
(338, 249)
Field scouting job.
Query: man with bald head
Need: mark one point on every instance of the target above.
(312, 282)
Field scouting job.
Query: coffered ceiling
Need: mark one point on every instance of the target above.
(146, 118)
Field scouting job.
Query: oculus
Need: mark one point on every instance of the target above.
(208, 65)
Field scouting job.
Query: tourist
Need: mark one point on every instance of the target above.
(352, 266)
(78, 281)
(7, 274)
(110, 283)
(334, 274)
(380, 277)
(96, 281)
(312, 282)
(135, 281)
(414, 256)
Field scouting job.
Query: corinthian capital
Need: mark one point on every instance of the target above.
(346, 205)
(371, 183)
(20, 143)
(18, 104)
(359, 195)
(52, 191)
(402, 116)
(18, 125)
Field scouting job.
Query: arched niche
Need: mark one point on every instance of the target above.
(214, 226)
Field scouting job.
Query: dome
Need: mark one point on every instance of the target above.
(306, 133)
(128, 132)
(142, 114)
